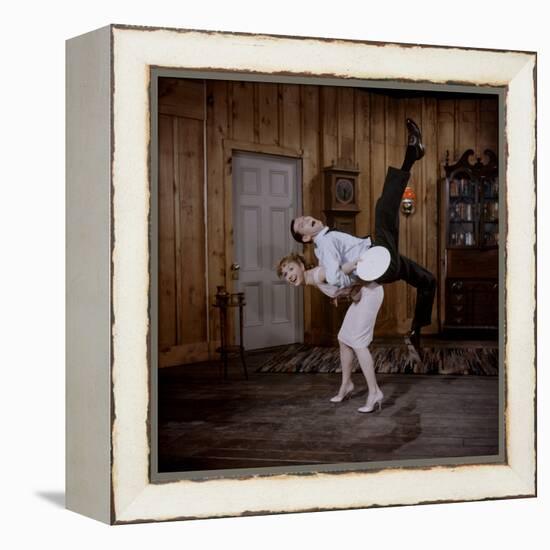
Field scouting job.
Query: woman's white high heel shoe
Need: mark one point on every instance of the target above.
(372, 402)
(343, 395)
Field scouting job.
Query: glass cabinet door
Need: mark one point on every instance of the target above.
(462, 211)
(489, 212)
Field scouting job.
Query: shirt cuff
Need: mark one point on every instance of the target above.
(318, 278)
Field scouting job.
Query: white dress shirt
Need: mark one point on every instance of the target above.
(333, 249)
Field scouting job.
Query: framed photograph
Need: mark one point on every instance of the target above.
(224, 194)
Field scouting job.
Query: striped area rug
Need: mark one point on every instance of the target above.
(301, 358)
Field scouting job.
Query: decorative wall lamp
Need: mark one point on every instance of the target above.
(408, 201)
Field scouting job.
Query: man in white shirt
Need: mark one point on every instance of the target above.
(334, 248)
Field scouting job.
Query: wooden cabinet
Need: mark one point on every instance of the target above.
(471, 303)
(470, 233)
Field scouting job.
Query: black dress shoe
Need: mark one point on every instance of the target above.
(415, 138)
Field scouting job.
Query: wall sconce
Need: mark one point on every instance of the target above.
(408, 201)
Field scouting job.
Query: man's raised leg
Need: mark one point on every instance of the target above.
(387, 234)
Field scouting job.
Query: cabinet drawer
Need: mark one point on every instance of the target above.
(471, 302)
(455, 287)
(457, 298)
(456, 320)
(472, 263)
(457, 309)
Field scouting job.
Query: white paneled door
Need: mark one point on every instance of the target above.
(265, 199)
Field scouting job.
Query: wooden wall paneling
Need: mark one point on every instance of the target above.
(242, 111)
(415, 224)
(465, 125)
(445, 131)
(189, 238)
(477, 129)
(378, 165)
(488, 125)
(430, 200)
(446, 121)
(329, 126)
(378, 149)
(183, 354)
(290, 108)
(396, 293)
(216, 131)
(311, 201)
(182, 289)
(192, 252)
(181, 97)
(364, 223)
(177, 231)
(256, 111)
(395, 129)
(329, 156)
(268, 112)
(227, 149)
(166, 249)
(346, 126)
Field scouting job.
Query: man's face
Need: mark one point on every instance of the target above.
(293, 273)
(307, 227)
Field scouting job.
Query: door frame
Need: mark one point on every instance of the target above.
(230, 147)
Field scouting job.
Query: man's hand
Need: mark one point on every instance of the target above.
(348, 294)
(348, 267)
(355, 293)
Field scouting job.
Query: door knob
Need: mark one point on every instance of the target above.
(235, 271)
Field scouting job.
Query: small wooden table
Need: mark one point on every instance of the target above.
(224, 301)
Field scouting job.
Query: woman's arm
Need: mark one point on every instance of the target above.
(316, 277)
(330, 258)
(346, 268)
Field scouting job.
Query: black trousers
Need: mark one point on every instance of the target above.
(386, 223)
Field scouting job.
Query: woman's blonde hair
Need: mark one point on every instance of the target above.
(292, 257)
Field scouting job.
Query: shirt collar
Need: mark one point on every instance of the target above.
(323, 231)
(321, 234)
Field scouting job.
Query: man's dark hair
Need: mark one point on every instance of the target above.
(296, 236)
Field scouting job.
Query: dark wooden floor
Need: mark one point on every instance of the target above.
(206, 423)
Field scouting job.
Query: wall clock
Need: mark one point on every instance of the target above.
(345, 190)
(341, 200)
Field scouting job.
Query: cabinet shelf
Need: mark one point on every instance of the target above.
(470, 243)
(468, 200)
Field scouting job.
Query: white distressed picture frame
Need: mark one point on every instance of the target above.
(108, 301)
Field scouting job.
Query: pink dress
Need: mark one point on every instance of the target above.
(358, 327)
